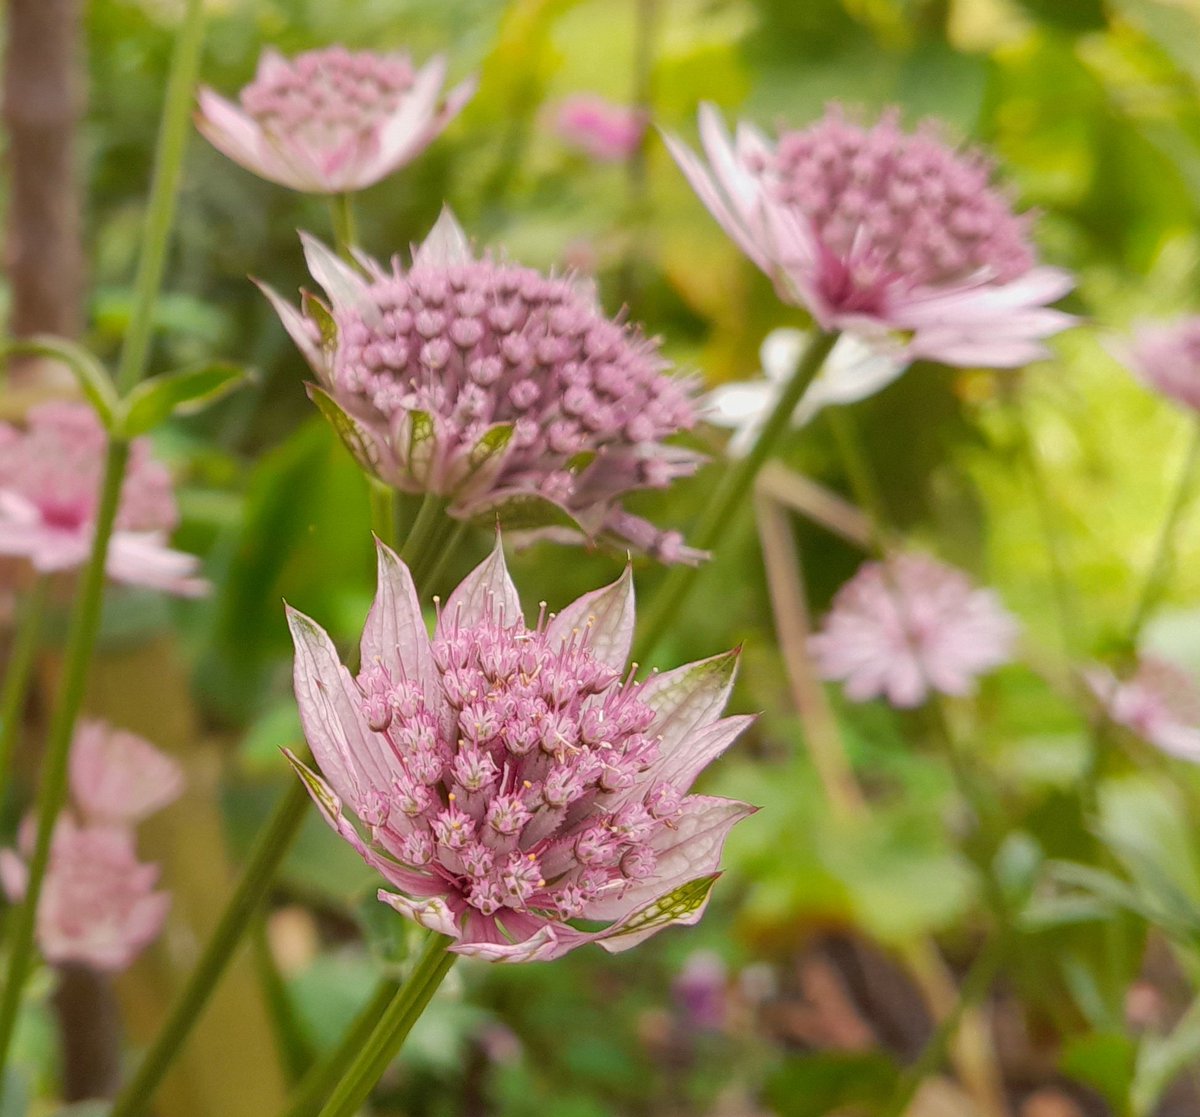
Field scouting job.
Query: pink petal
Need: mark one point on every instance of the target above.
(341, 283)
(604, 617)
(487, 591)
(395, 631)
(689, 697)
(446, 245)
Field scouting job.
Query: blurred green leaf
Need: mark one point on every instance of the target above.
(92, 376)
(813, 1085)
(1103, 1060)
(183, 392)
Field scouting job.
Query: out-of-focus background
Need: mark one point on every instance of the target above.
(829, 948)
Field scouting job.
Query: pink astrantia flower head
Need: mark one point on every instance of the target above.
(118, 777)
(910, 627)
(875, 228)
(50, 475)
(98, 906)
(1160, 702)
(503, 390)
(1165, 356)
(509, 780)
(332, 121)
(609, 133)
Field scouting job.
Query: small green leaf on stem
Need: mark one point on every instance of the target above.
(182, 392)
(93, 377)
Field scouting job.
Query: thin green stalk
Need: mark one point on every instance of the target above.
(291, 1037)
(440, 554)
(861, 476)
(972, 992)
(389, 1035)
(272, 844)
(731, 494)
(345, 230)
(424, 528)
(318, 1083)
(81, 640)
(173, 136)
(20, 670)
(1159, 569)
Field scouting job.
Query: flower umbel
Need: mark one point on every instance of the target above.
(98, 906)
(911, 627)
(1160, 702)
(502, 390)
(49, 490)
(511, 780)
(874, 228)
(332, 121)
(1165, 356)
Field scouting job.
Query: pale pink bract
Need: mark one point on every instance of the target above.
(50, 475)
(875, 229)
(332, 121)
(911, 628)
(1165, 356)
(608, 132)
(505, 391)
(1160, 702)
(118, 777)
(513, 779)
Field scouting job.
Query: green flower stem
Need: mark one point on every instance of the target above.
(1159, 570)
(272, 844)
(20, 670)
(291, 1037)
(81, 640)
(345, 229)
(857, 467)
(164, 191)
(373, 1058)
(318, 1083)
(731, 494)
(383, 512)
(973, 990)
(424, 530)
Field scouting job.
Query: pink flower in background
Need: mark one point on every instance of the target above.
(503, 390)
(332, 121)
(909, 628)
(701, 991)
(607, 132)
(50, 475)
(510, 780)
(1160, 702)
(874, 229)
(98, 906)
(1165, 356)
(118, 777)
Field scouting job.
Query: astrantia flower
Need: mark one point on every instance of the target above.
(505, 391)
(909, 628)
(332, 121)
(1160, 702)
(118, 777)
(873, 228)
(853, 371)
(97, 906)
(1165, 356)
(509, 780)
(607, 132)
(50, 475)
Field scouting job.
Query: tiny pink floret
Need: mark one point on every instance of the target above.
(876, 229)
(607, 132)
(911, 628)
(503, 390)
(50, 474)
(332, 121)
(509, 780)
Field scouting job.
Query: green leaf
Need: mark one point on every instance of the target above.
(492, 443)
(672, 907)
(319, 313)
(525, 513)
(812, 1085)
(93, 377)
(354, 437)
(421, 443)
(182, 392)
(1161, 1059)
(1104, 1061)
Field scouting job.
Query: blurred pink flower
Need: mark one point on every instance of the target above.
(50, 475)
(607, 132)
(503, 390)
(1160, 702)
(909, 628)
(512, 780)
(98, 906)
(701, 991)
(120, 778)
(874, 229)
(332, 121)
(1165, 356)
